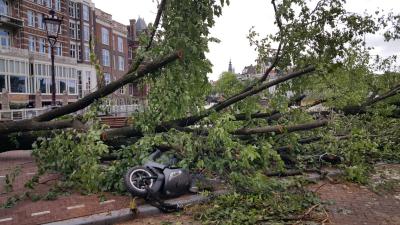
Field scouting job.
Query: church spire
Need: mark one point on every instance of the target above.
(230, 68)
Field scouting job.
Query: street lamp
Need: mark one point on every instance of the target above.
(53, 26)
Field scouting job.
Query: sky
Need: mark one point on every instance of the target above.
(233, 27)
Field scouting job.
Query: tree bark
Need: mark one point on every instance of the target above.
(281, 129)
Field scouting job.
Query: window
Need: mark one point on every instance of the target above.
(130, 53)
(72, 31)
(106, 57)
(47, 3)
(31, 18)
(85, 15)
(57, 5)
(88, 83)
(79, 52)
(71, 9)
(121, 63)
(78, 31)
(72, 87)
(62, 86)
(40, 22)
(42, 45)
(120, 44)
(32, 44)
(43, 83)
(107, 78)
(2, 65)
(5, 38)
(87, 53)
(2, 82)
(121, 90)
(3, 7)
(78, 12)
(86, 33)
(18, 84)
(105, 36)
(59, 49)
(72, 50)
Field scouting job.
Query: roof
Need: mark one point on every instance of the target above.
(140, 25)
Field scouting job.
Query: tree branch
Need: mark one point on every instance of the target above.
(281, 129)
(16, 126)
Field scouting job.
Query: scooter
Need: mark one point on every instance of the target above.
(159, 178)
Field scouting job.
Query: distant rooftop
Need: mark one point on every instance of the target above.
(140, 25)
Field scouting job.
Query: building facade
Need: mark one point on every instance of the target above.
(135, 29)
(81, 29)
(112, 51)
(25, 66)
(24, 53)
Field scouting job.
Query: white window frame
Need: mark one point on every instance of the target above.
(85, 12)
(31, 18)
(57, 5)
(106, 57)
(107, 78)
(72, 30)
(121, 63)
(42, 45)
(32, 44)
(105, 36)
(87, 53)
(120, 44)
(72, 50)
(86, 32)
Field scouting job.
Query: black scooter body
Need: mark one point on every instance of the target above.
(164, 179)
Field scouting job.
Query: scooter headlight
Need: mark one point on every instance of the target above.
(174, 174)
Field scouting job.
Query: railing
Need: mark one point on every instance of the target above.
(110, 110)
(6, 50)
(122, 110)
(12, 51)
(21, 114)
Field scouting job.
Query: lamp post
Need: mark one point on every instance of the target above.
(53, 26)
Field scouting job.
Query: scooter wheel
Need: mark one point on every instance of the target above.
(136, 182)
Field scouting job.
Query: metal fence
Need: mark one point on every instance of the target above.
(21, 114)
(112, 110)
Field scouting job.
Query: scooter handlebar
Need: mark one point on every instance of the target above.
(155, 155)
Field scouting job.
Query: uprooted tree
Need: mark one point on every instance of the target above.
(322, 61)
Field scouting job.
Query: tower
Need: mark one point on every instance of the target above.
(230, 68)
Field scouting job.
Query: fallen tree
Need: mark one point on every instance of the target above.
(238, 137)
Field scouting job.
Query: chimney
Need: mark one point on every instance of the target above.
(132, 29)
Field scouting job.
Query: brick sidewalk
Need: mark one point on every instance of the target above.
(351, 204)
(64, 207)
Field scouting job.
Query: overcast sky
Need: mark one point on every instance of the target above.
(233, 27)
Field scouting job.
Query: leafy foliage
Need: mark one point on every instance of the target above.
(361, 131)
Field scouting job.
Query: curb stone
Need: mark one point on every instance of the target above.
(126, 214)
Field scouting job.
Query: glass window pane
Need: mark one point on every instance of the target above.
(42, 85)
(72, 86)
(2, 82)
(63, 86)
(18, 84)
(2, 65)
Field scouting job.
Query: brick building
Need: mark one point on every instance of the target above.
(135, 28)
(24, 52)
(25, 67)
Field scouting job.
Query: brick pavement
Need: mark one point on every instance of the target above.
(27, 212)
(351, 204)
